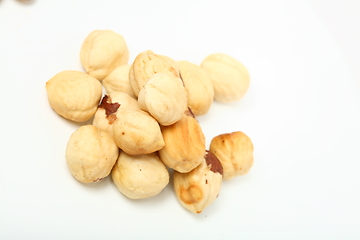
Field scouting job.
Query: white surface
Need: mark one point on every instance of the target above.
(302, 112)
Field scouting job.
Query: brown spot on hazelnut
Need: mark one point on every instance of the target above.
(110, 108)
(189, 112)
(213, 162)
(191, 195)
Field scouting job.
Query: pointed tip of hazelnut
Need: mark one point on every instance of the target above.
(213, 162)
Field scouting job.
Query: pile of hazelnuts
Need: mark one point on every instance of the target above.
(144, 127)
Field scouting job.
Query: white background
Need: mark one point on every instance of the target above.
(302, 112)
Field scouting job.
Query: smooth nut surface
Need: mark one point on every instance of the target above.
(184, 145)
(146, 64)
(140, 176)
(74, 95)
(197, 189)
(118, 81)
(231, 78)
(235, 152)
(105, 115)
(102, 51)
(136, 132)
(199, 87)
(164, 97)
(90, 154)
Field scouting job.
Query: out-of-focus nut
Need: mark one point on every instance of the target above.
(197, 189)
(102, 51)
(146, 64)
(74, 95)
(136, 132)
(118, 81)
(164, 97)
(140, 176)
(230, 78)
(184, 145)
(198, 85)
(90, 154)
(105, 115)
(235, 152)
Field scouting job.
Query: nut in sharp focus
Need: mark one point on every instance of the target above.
(164, 97)
(74, 95)
(235, 152)
(136, 132)
(140, 176)
(105, 115)
(230, 78)
(90, 154)
(146, 64)
(184, 145)
(197, 189)
(102, 51)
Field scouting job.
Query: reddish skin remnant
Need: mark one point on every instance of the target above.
(213, 161)
(110, 108)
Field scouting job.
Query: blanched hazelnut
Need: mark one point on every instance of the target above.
(164, 97)
(136, 132)
(140, 176)
(197, 189)
(146, 64)
(199, 87)
(102, 51)
(105, 115)
(118, 81)
(74, 95)
(230, 78)
(235, 152)
(90, 154)
(184, 146)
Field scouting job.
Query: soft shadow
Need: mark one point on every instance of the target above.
(25, 2)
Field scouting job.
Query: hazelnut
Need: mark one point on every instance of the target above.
(140, 176)
(102, 51)
(184, 145)
(164, 97)
(199, 87)
(230, 78)
(147, 64)
(74, 95)
(197, 189)
(105, 115)
(235, 152)
(118, 81)
(90, 154)
(136, 132)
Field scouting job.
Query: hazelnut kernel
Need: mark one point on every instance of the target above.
(230, 78)
(235, 152)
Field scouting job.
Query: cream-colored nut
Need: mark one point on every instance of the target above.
(74, 95)
(90, 154)
(105, 115)
(230, 78)
(235, 152)
(198, 85)
(136, 132)
(102, 51)
(197, 189)
(140, 176)
(118, 81)
(184, 146)
(146, 64)
(164, 97)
